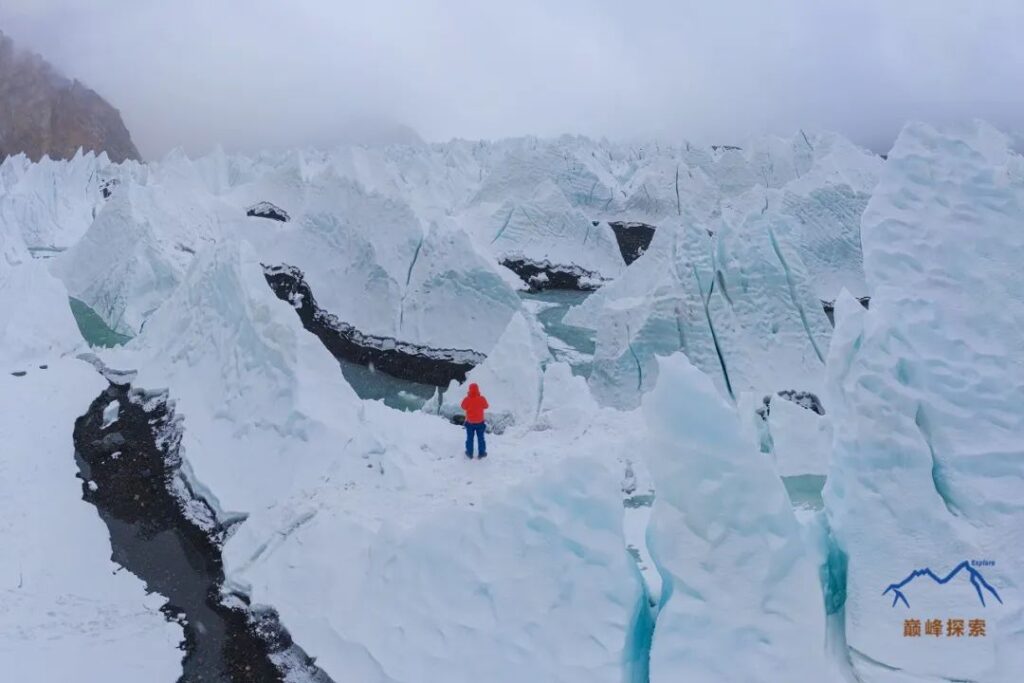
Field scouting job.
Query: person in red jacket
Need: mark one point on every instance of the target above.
(475, 404)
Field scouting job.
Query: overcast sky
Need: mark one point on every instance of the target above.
(272, 73)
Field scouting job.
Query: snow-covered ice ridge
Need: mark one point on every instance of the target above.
(390, 557)
(925, 391)
(414, 362)
(294, 279)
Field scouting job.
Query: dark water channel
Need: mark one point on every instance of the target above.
(129, 462)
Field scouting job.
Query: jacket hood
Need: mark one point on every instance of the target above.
(474, 389)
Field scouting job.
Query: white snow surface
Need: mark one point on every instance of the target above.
(66, 612)
(927, 387)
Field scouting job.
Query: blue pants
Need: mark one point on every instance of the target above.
(478, 429)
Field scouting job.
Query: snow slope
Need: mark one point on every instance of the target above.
(66, 613)
(36, 325)
(37, 319)
(499, 581)
(928, 466)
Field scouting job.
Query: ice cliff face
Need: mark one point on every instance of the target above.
(927, 388)
(42, 113)
(738, 576)
(738, 288)
(52, 203)
(738, 303)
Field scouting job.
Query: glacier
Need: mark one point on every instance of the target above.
(692, 473)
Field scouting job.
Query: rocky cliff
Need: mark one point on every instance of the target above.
(44, 113)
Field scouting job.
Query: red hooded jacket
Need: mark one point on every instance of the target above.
(474, 404)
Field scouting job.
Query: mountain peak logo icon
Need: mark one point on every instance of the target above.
(981, 586)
